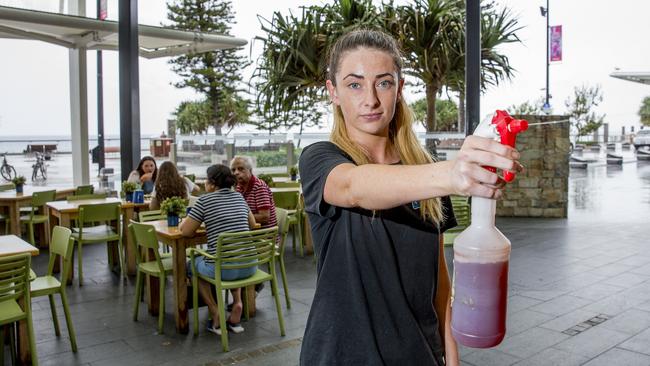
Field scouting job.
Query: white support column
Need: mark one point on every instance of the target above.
(79, 105)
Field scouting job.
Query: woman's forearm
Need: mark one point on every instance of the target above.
(378, 187)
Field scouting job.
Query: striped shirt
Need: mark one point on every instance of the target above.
(221, 211)
(259, 197)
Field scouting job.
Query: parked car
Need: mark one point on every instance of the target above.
(642, 138)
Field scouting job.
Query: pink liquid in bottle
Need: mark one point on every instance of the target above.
(479, 303)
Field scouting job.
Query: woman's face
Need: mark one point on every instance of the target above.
(148, 166)
(367, 88)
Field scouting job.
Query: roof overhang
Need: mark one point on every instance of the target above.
(637, 77)
(81, 32)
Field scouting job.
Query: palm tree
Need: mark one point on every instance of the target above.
(644, 111)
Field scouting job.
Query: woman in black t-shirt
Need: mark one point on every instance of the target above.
(377, 204)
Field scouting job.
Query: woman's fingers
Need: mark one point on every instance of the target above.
(486, 144)
(490, 159)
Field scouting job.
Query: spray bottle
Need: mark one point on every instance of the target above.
(481, 255)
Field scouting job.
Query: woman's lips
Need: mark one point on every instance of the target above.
(371, 116)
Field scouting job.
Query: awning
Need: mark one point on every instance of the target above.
(75, 32)
(637, 77)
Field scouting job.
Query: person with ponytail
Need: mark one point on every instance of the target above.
(378, 204)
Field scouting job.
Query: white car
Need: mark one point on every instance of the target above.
(642, 138)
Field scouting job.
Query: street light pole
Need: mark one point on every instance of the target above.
(548, 56)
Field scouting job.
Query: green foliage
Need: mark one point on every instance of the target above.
(580, 109)
(446, 110)
(534, 108)
(644, 111)
(268, 179)
(193, 117)
(216, 74)
(19, 180)
(270, 158)
(129, 187)
(173, 206)
(293, 170)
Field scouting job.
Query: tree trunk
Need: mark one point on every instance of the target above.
(432, 93)
(219, 145)
(461, 111)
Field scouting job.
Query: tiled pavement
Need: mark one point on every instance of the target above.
(563, 275)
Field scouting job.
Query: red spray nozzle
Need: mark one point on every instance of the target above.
(508, 129)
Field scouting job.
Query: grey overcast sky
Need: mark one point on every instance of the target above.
(599, 36)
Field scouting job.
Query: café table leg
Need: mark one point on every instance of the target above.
(14, 216)
(129, 245)
(64, 220)
(152, 292)
(249, 292)
(24, 356)
(180, 288)
(53, 220)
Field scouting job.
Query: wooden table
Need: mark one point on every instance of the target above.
(306, 228)
(178, 243)
(63, 212)
(13, 201)
(10, 245)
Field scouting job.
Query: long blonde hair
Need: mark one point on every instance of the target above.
(400, 133)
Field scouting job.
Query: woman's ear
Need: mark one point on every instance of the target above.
(332, 91)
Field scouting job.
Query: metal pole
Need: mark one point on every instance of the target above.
(100, 100)
(548, 55)
(472, 65)
(129, 87)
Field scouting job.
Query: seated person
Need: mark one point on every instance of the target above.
(145, 174)
(170, 184)
(256, 192)
(222, 210)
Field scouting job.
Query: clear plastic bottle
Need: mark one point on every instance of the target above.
(481, 257)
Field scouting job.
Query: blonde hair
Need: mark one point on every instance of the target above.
(401, 134)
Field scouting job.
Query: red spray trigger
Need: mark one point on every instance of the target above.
(508, 129)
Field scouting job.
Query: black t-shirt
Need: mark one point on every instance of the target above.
(377, 277)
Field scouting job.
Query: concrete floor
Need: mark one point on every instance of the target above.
(566, 276)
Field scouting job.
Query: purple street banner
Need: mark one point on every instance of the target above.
(556, 43)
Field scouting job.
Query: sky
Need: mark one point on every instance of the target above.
(599, 36)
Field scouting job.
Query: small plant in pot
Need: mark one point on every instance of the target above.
(19, 182)
(293, 172)
(128, 188)
(173, 207)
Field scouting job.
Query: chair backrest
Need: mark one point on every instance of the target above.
(245, 249)
(99, 212)
(62, 245)
(282, 216)
(14, 278)
(462, 212)
(6, 187)
(144, 235)
(287, 184)
(90, 196)
(153, 215)
(87, 189)
(41, 198)
(288, 200)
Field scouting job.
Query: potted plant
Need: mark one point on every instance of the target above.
(128, 188)
(293, 172)
(19, 182)
(266, 178)
(173, 207)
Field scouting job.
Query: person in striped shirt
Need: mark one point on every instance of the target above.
(222, 210)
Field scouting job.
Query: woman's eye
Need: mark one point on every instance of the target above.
(385, 84)
(354, 85)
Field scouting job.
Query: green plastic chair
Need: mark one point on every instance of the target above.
(39, 199)
(107, 213)
(283, 229)
(144, 236)
(5, 217)
(87, 189)
(89, 196)
(234, 251)
(14, 286)
(287, 184)
(152, 215)
(290, 201)
(463, 214)
(61, 245)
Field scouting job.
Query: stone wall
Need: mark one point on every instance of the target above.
(542, 190)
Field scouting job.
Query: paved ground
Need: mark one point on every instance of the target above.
(579, 295)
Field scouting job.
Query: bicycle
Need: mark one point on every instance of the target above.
(39, 167)
(7, 171)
